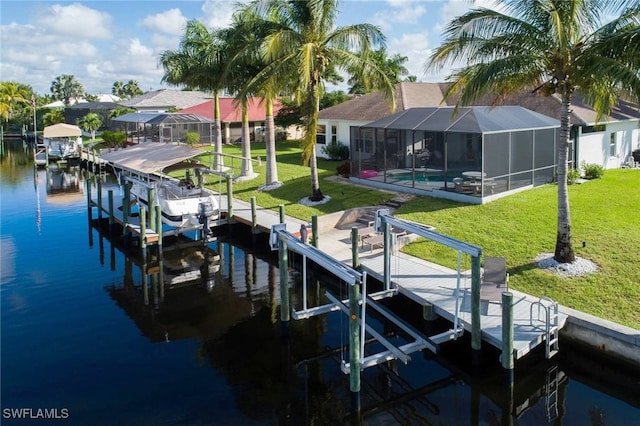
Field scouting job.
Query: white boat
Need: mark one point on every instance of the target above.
(184, 203)
(62, 149)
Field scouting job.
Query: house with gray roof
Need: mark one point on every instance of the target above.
(165, 99)
(608, 143)
(424, 148)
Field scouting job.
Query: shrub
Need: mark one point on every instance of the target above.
(344, 169)
(592, 171)
(572, 176)
(336, 150)
(192, 138)
(113, 139)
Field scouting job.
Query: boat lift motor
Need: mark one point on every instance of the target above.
(205, 211)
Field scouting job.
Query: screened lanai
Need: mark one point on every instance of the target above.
(165, 126)
(480, 152)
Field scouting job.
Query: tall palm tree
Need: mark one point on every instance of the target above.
(199, 63)
(557, 46)
(304, 49)
(250, 31)
(66, 87)
(240, 68)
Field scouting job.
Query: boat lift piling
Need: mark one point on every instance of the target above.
(384, 218)
(110, 198)
(355, 307)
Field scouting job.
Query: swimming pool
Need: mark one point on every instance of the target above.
(420, 177)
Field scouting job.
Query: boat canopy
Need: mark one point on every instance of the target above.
(62, 130)
(150, 157)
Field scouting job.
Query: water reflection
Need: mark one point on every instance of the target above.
(193, 335)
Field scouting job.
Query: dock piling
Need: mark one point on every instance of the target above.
(158, 210)
(151, 192)
(285, 311)
(143, 228)
(314, 231)
(229, 200)
(89, 208)
(354, 330)
(99, 195)
(110, 200)
(476, 332)
(506, 357)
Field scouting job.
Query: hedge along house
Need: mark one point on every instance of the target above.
(479, 154)
(164, 127)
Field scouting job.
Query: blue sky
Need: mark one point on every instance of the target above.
(100, 42)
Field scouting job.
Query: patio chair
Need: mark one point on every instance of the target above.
(495, 279)
(457, 184)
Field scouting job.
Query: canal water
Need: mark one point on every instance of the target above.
(95, 334)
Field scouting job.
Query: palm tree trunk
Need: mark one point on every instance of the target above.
(247, 166)
(564, 249)
(218, 161)
(316, 194)
(272, 167)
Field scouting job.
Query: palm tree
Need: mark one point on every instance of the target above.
(118, 89)
(66, 87)
(132, 89)
(557, 46)
(392, 66)
(52, 117)
(90, 123)
(11, 96)
(304, 49)
(199, 63)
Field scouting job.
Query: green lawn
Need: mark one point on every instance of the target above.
(297, 183)
(604, 212)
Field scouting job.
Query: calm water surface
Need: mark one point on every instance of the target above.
(83, 336)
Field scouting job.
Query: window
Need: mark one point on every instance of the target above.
(334, 134)
(612, 145)
(321, 134)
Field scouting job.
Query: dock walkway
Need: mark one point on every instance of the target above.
(423, 282)
(428, 283)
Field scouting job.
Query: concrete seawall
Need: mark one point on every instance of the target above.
(611, 339)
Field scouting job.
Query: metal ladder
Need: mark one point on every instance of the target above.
(551, 393)
(551, 320)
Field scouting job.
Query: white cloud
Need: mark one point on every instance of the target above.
(218, 13)
(170, 22)
(399, 13)
(75, 20)
(415, 46)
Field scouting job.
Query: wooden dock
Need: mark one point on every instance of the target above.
(426, 283)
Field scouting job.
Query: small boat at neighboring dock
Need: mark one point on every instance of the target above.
(184, 203)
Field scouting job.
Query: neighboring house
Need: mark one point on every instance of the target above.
(165, 99)
(231, 117)
(101, 98)
(608, 144)
(75, 113)
(164, 127)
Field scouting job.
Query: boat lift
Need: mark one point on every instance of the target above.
(283, 241)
